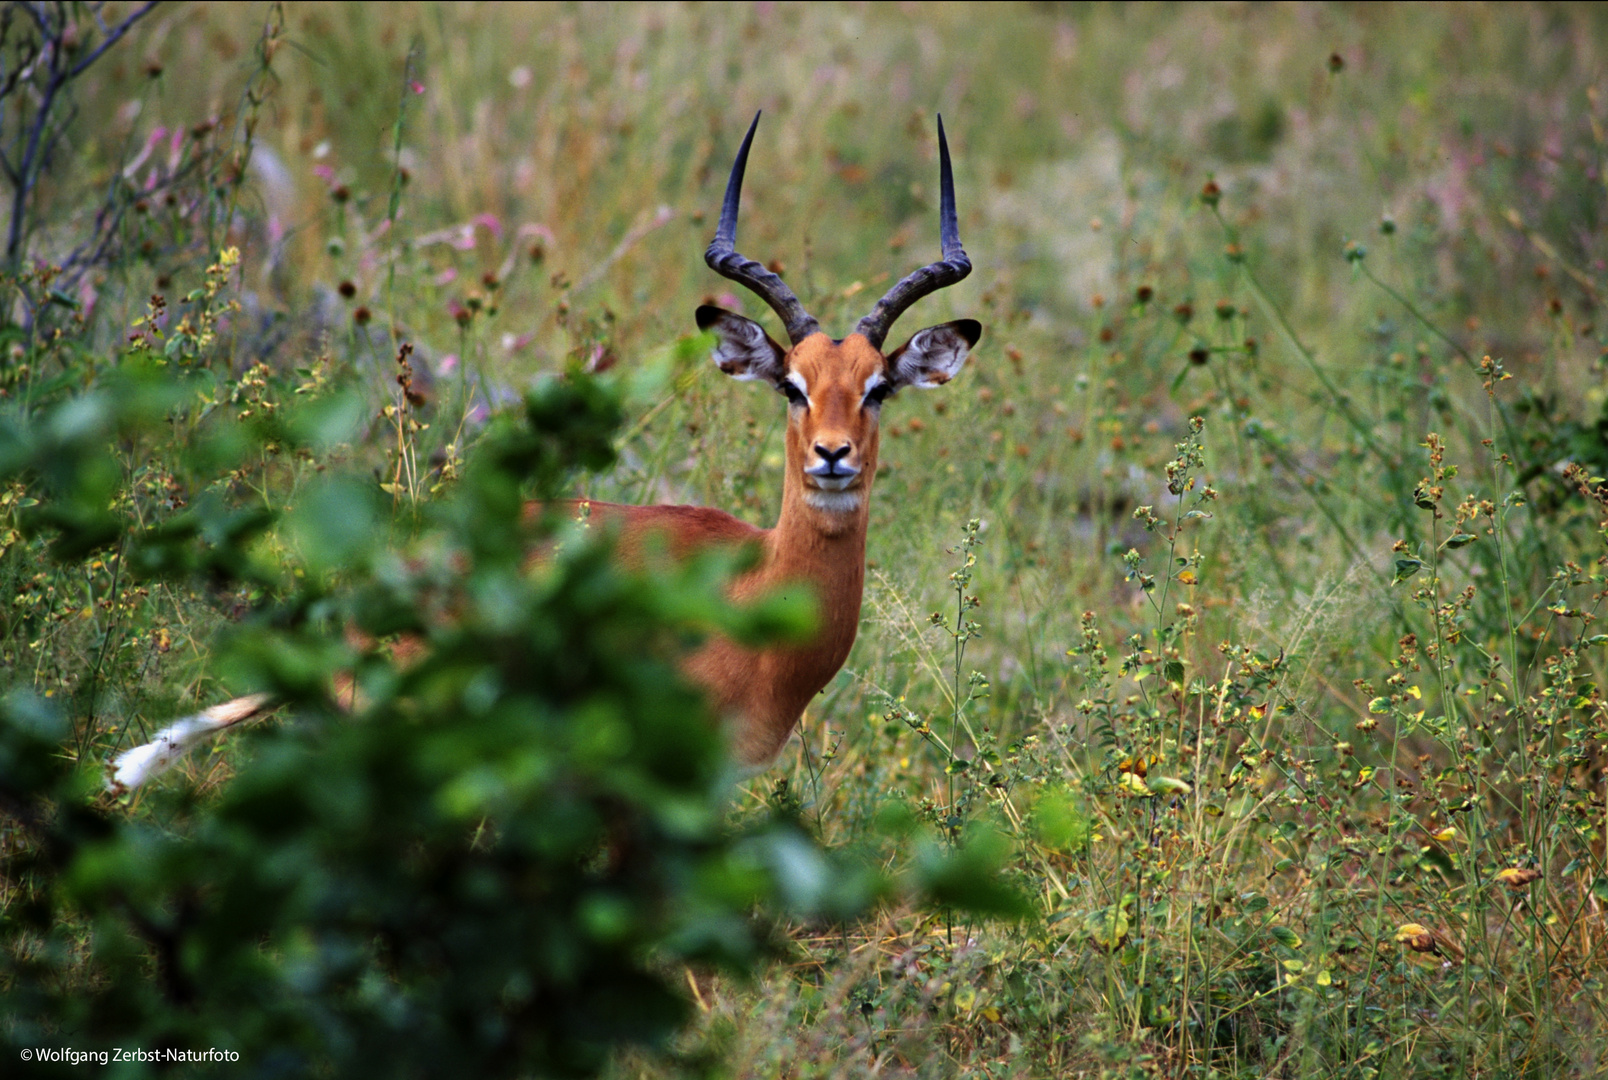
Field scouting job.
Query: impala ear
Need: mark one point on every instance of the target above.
(742, 348)
(934, 355)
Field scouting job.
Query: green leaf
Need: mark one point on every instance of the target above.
(334, 522)
(1107, 927)
(1060, 822)
(325, 422)
(1285, 936)
(970, 879)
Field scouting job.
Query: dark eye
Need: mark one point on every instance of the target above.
(795, 396)
(879, 393)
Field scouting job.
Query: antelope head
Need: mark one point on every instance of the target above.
(835, 387)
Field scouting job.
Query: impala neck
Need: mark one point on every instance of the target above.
(823, 546)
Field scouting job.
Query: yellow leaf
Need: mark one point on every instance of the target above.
(1515, 877)
(1418, 938)
(991, 1014)
(1139, 763)
(1446, 835)
(1187, 577)
(1324, 978)
(1415, 693)
(1134, 784)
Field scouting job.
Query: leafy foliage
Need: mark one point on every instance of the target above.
(474, 869)
(1266, 666)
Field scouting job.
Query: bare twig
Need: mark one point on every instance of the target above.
(42, 136)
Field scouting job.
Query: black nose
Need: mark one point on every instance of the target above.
(832, 457)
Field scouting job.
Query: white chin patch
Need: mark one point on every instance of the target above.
(834, 483)
(835, 502)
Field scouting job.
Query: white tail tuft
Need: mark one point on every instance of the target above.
(134, 767)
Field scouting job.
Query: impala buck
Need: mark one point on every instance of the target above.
(835, 388)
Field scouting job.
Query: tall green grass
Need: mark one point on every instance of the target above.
(1304, 775)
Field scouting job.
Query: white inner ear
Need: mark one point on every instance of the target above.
(742, 350)
(933, 357)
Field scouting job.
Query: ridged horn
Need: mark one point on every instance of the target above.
(724, 259)
(929, 279)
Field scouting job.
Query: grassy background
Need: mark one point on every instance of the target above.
(1402, 192)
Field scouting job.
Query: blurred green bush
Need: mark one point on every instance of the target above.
(493, 868)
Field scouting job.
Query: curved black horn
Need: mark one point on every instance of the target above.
(724, 259)
(929, 279)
